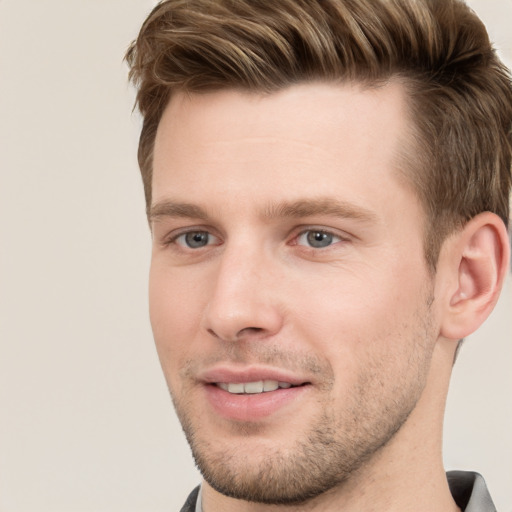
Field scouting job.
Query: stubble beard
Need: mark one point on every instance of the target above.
(336, 445)
(316, 464)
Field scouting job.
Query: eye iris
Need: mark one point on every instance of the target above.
(319, 239)
(196, 239)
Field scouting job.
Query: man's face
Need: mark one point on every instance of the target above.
(289, 296)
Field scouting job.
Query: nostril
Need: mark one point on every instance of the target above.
(242, 333)
(249, 330)
(232, 321)
(213, 333)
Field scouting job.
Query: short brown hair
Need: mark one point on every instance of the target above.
(460, 93)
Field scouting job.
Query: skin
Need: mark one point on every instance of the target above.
(358, 319)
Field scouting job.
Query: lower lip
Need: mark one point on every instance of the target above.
(249, 407)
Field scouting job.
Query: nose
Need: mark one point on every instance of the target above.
(244, 300)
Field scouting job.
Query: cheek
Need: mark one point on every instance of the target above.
(348, 315)
(344, 303)
(175, 307)
(376, 344)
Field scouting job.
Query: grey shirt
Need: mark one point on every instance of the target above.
(468, 490)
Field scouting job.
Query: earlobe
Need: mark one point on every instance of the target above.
(480, 258)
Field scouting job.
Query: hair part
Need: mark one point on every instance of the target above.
(460, 94)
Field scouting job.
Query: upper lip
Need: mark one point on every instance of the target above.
(249, 374)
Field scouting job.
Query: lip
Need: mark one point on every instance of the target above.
(250, 374)
(251, 407)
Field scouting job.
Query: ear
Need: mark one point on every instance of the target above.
(475, 264)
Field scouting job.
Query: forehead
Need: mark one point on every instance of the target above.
(309, 136)
(304, 109)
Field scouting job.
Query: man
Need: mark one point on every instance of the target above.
(327, 185)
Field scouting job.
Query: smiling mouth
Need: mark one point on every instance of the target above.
(253, 388)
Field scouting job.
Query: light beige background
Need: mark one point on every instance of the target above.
(85, 420)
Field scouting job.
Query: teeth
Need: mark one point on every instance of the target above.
(251, 388)
(270, 385)
(237, 387)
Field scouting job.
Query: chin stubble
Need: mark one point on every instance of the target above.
(335, 446)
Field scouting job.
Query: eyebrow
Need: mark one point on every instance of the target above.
(321, 206)
(286, 209)
(172, 209)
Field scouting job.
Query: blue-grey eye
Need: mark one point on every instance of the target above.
(194, 239)
(317, 239)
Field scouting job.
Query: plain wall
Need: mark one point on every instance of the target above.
(86, 423)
